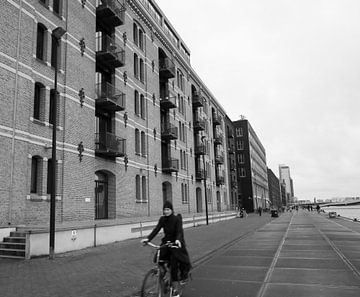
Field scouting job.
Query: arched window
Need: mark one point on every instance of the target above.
(135, 34)
(141, 39)
(137, 142)
(41, 42)
(39, 101)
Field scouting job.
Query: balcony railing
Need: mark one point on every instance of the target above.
(220, 180)
(167, 68)
(198, 99)
(219, 158)
(109, 55)
(200, 174)
(109, 98)
(169, 131)
(200, 149)
(167, 97)
(170, 165)
(199, 124)
(216, 119)
(218, 138)
(110, 13)
(109, 145)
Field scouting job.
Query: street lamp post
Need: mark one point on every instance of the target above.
(205, 176)
(56, 34)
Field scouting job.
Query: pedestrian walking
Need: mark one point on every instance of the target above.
(259, 210)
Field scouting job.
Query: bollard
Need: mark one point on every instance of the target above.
(141, 234)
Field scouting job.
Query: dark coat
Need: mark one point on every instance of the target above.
(172, 226)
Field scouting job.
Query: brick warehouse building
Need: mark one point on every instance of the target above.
(134, 119)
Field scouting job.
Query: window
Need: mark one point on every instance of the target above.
(143, 144)
(39, 102)
(35, 178)
(136, 103)
(142, 71)
(242, 172)
(184, 193)
(239, 132)
(240, 145)
(49, 176)
(44, 2)
(138, 36)
(41, 42)
(57, 6)
(137, 141)
(137, 188)
(55, 52)
(141, 39)
(143, 184)
(52, 101)
(142, 106)
(135, 34)
(136, 66)
(140, 188)
(241, 158)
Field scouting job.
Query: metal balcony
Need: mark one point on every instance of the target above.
(200, 149)
(169, 132)
(110, 13)
(167, 68)
(199, 124)
(170, 165)
(109, 98)
(198, 99)
(219, 158)
(220, 180)
(216, 119)
(167, 97)
(109, 55)
(218, 138)
(200, 174)
(109, 145)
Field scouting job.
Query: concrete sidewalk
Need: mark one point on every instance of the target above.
(114, 269)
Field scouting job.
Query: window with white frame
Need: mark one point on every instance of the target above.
(239, 132)
(140, 188)
(242, 172)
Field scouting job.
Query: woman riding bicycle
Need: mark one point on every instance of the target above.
(173, 232)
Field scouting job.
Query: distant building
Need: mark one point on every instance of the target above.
(232, 172)
(274, 189)
(284, 175)
(251, 167)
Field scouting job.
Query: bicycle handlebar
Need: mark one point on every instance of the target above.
(168, 244)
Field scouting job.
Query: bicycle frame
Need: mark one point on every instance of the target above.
(162, 271)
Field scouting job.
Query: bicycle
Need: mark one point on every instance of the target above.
(157, 281)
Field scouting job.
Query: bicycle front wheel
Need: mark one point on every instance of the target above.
(151, 286)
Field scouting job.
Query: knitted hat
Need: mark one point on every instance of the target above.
(167, 204)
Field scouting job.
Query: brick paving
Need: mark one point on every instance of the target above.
(111, 270)
(117, 269)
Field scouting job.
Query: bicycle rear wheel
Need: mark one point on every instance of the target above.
(151, 286)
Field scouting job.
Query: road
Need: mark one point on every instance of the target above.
(298, 254)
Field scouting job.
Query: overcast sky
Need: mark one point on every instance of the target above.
(292, 68)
